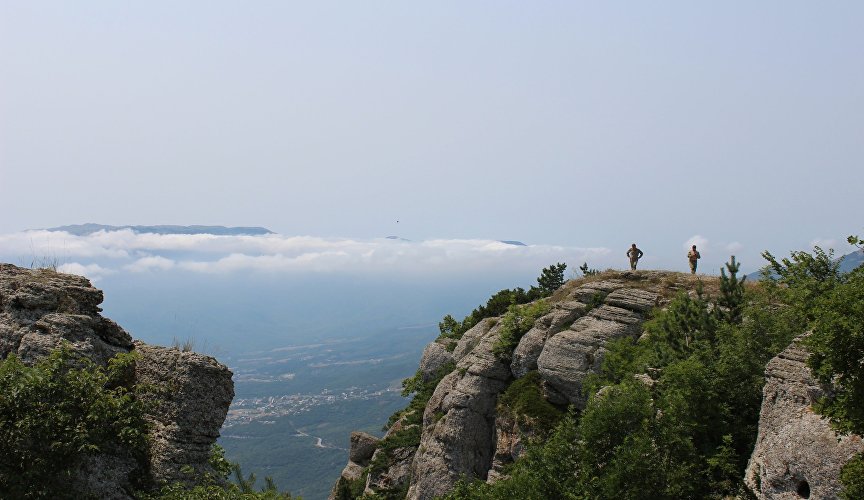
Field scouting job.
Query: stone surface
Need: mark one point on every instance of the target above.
(795, 446)
(41, 310)
(531, 345)
(509, 445)
(189, 413)
(398, 472)
(459, 423)
(362, 447)
(435, 356)
(472, 337)
(569, 356)
(633, 299)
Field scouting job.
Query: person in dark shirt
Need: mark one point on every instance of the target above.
(635, 254)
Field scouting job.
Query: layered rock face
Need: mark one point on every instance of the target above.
(41, 310)
(463, 434)
(797, 454)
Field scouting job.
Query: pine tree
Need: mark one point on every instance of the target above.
(551, 278)
(731, 299)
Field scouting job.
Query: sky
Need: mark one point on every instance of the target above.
(566, 125)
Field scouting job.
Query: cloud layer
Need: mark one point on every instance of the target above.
(104, 253)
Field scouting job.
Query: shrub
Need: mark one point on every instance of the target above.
(515, 324)
(56, 413)
(523, 401)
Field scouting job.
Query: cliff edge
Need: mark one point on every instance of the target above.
(464, 431)
(42, 310)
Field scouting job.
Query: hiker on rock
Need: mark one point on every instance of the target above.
(635, 254)
(693, 256)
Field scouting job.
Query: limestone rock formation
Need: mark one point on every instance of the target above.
(435, 356)
(396, 474)
(797, 454)
(463, 433)
(569, 356)
(41, 310)
(359, 455)
(526, 353)
(459, 422)
(187, 417)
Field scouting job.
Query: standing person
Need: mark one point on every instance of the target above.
(635, 254)
(693, 256)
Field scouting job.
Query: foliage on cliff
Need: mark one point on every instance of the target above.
(58, 412)
(675, 415)
(551, 278)
(227, 483)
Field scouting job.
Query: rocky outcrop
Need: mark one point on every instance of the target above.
(571, 355)
(359, 455)
(42, 310)
(459, 422)
(463, 433)
(797, 453)
(526, 353)
(395, 474)
(510, 440)
(188, 413)
(435, 356)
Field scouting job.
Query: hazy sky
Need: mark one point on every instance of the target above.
(589, 125)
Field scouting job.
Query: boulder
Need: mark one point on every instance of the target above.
(458, 437)
(362, 447)
(435, 356)
(472, 337)
(797, 453)
(569, 356)
(42, 310)
(531, 344)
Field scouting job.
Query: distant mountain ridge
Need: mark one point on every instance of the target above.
(90, 228)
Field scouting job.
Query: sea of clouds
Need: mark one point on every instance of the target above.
(124, 251)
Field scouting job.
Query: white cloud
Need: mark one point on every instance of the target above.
(700, 241)
(824, 243)
(150, 263)
(734, 247)
(92, 271)
(97, 254)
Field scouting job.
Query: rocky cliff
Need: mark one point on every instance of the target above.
(42, 310)
(464, 431)
(797, 453)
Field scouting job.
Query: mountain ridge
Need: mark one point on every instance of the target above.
(90, 228)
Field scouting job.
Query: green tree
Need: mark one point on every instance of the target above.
(732, 293)
(586, 271)
(837, 348)
(551, 278)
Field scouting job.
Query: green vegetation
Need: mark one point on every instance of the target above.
(410, 421)
(551, 278)
(218, 487)
(57, 413)
(348, 490)
(588, 272)
(64, 409)
(515, 324)
(852, 477)
(688, 430)
(523, 402)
